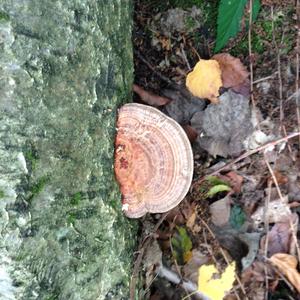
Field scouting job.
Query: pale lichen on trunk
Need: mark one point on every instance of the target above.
(65, 67)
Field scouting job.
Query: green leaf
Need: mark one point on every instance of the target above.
(230, 13)
(255, 9)
(214, 180)
(237, 217)
(181, 244)
(218, 189)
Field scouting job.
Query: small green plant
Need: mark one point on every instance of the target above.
(38, 187)
(230, 14)
(217, 186)
(76, 198)
(182, 245)
(4, 16)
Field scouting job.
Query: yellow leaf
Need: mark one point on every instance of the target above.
(205, 80)
(215, 288)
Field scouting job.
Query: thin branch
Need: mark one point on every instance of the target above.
(251, 152)
(250, 59)
(265, 78)
(297, 65)
(266, 220)
(186, 284)
(185, 57)
(278, 69)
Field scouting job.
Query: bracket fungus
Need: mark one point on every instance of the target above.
(153, 160)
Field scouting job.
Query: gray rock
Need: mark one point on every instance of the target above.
(183, 105)
(222, 128)
(64, 68)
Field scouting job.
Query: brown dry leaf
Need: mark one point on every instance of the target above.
(281, 178)
(190, 132)
(205, 80)
(220, 211)
(287, 264)
(190, 223)
(254, 273)
(280, 236)
(150, 98)
(235, 180)
(234, 73)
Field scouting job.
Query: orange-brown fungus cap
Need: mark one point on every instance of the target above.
(153, 160)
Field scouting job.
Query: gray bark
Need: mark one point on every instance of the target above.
(65, 66)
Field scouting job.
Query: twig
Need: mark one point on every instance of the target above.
(251, 152)
(184, 57)
(250, 59)
(297, 65)
(162, 77)
(184, 92)
(278, 70)
(186, 284)
(266, 220)
(280, 89)
(208, 248)
(265, 78)
(142, 248)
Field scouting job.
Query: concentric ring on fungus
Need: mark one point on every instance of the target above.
(153, 160)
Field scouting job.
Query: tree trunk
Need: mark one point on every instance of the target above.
(65, 67)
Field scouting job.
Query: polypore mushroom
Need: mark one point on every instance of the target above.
(153, 160)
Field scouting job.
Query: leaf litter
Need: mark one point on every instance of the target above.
(245, 214)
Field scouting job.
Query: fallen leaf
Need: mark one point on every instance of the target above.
(182, 246)
(234, 73)
(220, 211)
(230, 240)
(252, 241)
(215, 288)
(215, 180)
(150, 98)
(281, 178)
(280, 236)
(235, 180)
(278, 211)
(190, 132)
(218, 189)
(205, 80)
(254, 273)
(190, 223)
(254, 277)
(237, 217)
(287, 264)
(183, 105)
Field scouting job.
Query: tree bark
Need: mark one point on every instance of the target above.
(65, 67)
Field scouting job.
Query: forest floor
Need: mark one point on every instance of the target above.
(242, 211)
